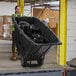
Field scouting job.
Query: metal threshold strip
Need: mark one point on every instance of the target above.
(38, 73)
(42, 73)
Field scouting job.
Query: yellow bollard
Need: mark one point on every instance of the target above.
(22, 6)
(58, 51)
(18, 2)
(63, 31)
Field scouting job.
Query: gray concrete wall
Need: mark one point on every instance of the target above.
(71, 30)
(7, 8)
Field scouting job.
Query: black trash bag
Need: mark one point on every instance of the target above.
(24, 23)
(34, 29)
(25, 27)
(38, 38)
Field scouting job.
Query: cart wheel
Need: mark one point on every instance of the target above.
(40, 61)
(23, 62)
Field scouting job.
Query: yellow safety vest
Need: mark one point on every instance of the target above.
(13, 28)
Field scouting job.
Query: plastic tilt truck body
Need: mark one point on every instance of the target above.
(33, 39)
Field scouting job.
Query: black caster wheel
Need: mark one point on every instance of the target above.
(23, 62)
(40, 61)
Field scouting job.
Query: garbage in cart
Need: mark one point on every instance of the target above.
(33, 39)
(32, 31)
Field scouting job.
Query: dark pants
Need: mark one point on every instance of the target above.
(13, 42)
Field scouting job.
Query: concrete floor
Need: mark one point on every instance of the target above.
(6, 65)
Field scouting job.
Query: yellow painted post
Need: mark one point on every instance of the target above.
(63, 31)
(22, 6)
(58, 51)
(18, 2)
